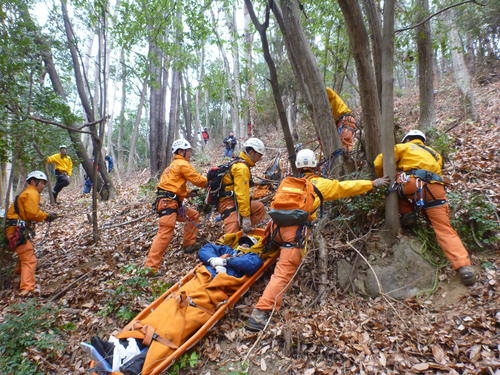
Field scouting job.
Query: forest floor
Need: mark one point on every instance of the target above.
(98, 287)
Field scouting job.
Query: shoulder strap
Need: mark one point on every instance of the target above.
(429, 151)
(16, 207)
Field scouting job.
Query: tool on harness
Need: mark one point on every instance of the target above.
(293, 203)
(419, 195)
(23, 229)
(215, 187)
(165, 194)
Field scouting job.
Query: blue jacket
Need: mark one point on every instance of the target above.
(238, 265)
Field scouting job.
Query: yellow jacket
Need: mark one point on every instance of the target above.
(338, 106)
(238, 180)
(410, 156)
(62, 164)
(28, 205)
(334, 189)
(175, 176)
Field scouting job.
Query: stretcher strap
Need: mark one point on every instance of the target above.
(185, 300)
(149, 334)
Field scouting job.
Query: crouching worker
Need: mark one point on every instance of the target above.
(421, 188)
(171, 192)
(235, 205)
(293, 207)
(148, 340)
(20, 217)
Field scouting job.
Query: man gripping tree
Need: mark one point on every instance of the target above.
(421, 188)
(346, 123)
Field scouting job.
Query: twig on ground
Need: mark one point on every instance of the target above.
(127, 222)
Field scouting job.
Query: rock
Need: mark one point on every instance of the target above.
(344, 273)
(403, 275)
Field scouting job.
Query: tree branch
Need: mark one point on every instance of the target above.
(44, 121)
(438, 12)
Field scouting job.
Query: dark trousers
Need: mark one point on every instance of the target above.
(62, 180)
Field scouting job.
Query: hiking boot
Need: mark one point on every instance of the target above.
(258, 320)
(467, 275)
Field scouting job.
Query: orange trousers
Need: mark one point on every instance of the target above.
(439, 217)
(166, 228)
(231, 223)
(26, 265)
(286, 266)
(346, 127)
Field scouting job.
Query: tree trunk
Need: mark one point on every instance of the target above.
(236, 97)
(119, 145)
(368, 93)
(261, 28)
(460, 71)
(250, 92)
(174, 104)
(425, 68)
(186, 106)
(307, 73)
(387, 130)
(135, 130)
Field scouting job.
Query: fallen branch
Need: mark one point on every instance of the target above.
(127, 222)
(68, 287)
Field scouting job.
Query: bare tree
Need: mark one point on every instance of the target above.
(135, 130)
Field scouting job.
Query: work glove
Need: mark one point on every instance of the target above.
(382, 181)
(246, 224)
(220, 269)
(52, 216)
(217, 262)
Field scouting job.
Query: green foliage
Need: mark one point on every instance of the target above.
(28, 326)
(123, 292)
(148, 189)
(236, 369)
(440, 141)
(187, 360)
(474, 218)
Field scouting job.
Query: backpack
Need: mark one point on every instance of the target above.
(215, 188)
(293, 203)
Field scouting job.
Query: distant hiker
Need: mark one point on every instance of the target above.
(63, 169)
(421, 188)
(109, 163)
(205, 136)
(171, 192)
(249, 129)
(229, 145)
(87, 184)
(235, 205)
(295, 205)
(19, 226)
(345, 121)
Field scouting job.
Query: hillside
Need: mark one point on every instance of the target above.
(97, 288)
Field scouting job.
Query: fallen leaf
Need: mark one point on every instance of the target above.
(438, 354)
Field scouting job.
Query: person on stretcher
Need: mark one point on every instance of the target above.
(142, 344)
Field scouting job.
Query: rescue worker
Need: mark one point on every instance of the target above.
(63, 169)
(20, 215)
(290, 238)
(171, 192)
(205, 135)
(421, 186)
(229, 145)
(235, 206)
(345, 121)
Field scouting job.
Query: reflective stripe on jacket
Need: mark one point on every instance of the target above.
(238, 180)
(175, 176)
(410, 156)
(334, 189)
(338, 106)
(28, 205)
(63, 164)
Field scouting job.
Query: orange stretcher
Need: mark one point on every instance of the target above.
(203, 330)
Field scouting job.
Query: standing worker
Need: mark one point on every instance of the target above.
(171, 192)
(291, 237)
(205, 136)
(345, 121)
(235, 205)
(421, 187)
(229, 145)
(63, 169)
(21, 214)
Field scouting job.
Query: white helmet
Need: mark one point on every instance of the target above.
(306, 159)
(180, 144)
(256, 144)
(62, 146)
(414, 133)
(36, 174)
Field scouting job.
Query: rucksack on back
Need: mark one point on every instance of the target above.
(293, 203)
(215, 188)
